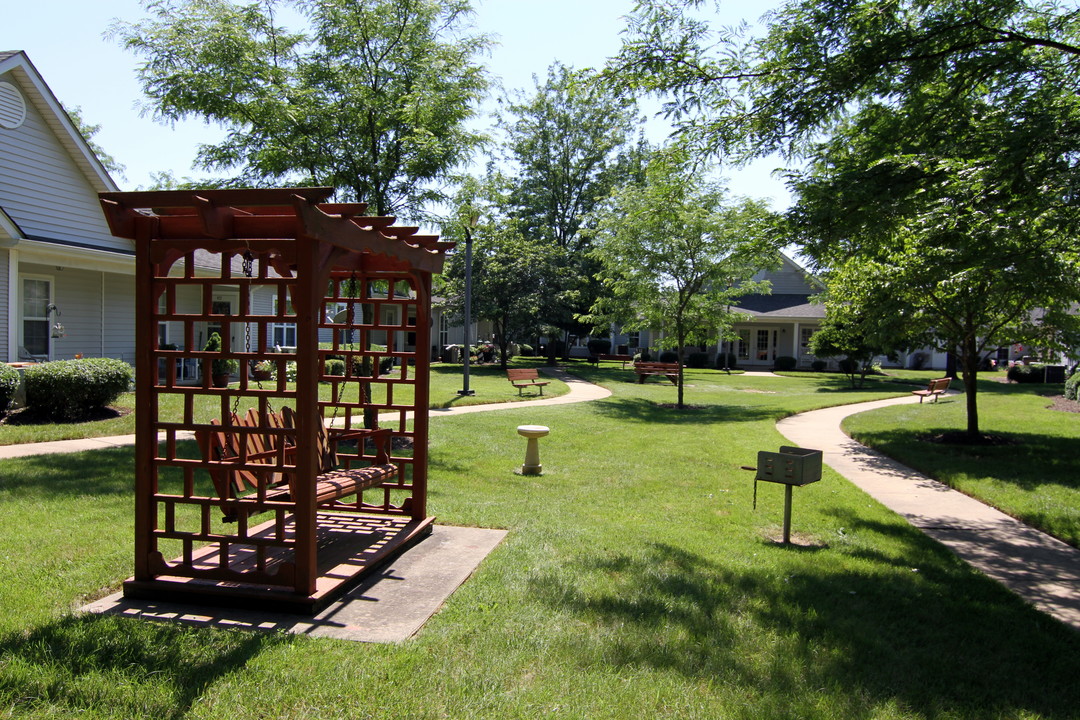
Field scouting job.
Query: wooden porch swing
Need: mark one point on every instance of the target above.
(302, 484)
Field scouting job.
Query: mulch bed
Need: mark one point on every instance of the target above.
(1058, 402)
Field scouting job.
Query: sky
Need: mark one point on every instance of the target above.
(64, 39)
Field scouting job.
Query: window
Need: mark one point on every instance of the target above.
(36, 296)
(444, 330)
(762, 350)
(282, 334)
(744, 345)
(804, 340)
(633, 339)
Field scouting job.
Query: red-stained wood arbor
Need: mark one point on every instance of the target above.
(257, 266)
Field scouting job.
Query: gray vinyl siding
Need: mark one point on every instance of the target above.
(788, 280)
(79, 296)
(120, 317)
(43, 190)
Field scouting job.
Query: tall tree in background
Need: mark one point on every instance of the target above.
(370, 97)
(567, 145)
(940, 138)
(88, 132)
(676, 254)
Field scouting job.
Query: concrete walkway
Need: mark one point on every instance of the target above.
(1041, 569)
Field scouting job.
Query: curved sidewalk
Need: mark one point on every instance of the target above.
(580, 391)
(1041, 569)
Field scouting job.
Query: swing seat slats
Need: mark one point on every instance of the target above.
(240, 447)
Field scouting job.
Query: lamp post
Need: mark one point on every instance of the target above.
(474, 217)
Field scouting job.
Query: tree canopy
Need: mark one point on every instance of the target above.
(939, 138)
(677, 253)
(372, 98)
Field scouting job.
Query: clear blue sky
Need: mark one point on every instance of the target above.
(63, 38)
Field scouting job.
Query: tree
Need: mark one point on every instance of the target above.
(510, 274)
(371, 98)
(88, 132)
(676, 254)
(940, 137)
(862, 321)
(567, 145)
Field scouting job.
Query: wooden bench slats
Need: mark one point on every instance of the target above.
(648, 369)
(935, 389)
(522, 378)
(244, 444)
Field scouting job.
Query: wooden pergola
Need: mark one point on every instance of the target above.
(260, 515)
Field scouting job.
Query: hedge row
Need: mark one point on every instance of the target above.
(67, 390)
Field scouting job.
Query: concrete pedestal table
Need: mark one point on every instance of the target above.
(532, 449)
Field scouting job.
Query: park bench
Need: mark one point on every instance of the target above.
(245, 444)
(646, 369)
(934, 389)
(522, 378)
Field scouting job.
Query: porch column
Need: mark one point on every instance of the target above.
(796, 346)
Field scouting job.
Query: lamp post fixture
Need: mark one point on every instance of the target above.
(474, 218)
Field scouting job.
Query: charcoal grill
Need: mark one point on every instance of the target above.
(791, 467)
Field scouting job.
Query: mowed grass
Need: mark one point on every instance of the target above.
(1035, 478)
(488, 381)
(635, 582)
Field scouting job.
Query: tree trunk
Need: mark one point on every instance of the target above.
(969, 372)
(679, 352)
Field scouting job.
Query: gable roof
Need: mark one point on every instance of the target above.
(37, 92)
(784, 305)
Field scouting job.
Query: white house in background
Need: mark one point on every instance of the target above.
(779, 324)
(59, 264)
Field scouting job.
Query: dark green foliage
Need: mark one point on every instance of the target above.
(70, 389)
(1072, 387)
(1027, 374)
(785, 363)
(335, 366)
(818, 365)
(525, 349)
(697, 360)
(643, 356)
(669, 356)
(599, 346)
(219, 367)
(732, 361)
(9, 382)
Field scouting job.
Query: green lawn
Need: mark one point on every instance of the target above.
(488, 381)
(635, 581)
(1036, 478)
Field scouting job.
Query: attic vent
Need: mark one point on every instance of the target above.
(12, 107)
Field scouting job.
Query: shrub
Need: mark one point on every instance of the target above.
(785, 363)
(669, 356)
(848, 366)
(1072, 386)
(70, 389)
(9, 383)
(335, 366)
(697, 360)
(225, 366)
(732, 361)
(643, 356)
(818, 365)
(1027, 373)
(598, 346)
(525, 349)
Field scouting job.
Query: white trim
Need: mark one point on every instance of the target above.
(51, 279)
(38, 93)
(12, 305)
(46, 253)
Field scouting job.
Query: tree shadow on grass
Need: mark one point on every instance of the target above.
(634, 409)
(856, 638)
(125, 667)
